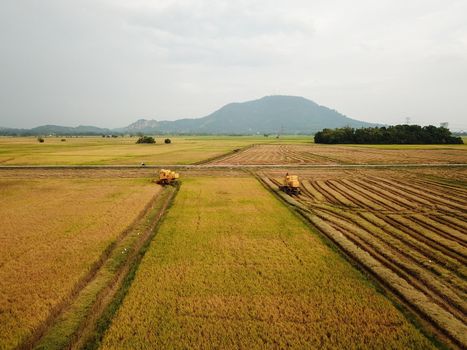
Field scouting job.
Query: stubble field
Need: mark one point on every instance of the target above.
(405, 227)
(348, 154)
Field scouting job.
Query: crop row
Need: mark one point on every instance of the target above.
(343, 154)
(416, 231)
(274, 154)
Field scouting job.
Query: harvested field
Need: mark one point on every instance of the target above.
(54, 233)
(231, 267)
(407, 227)
(274, 154)
(345, 154)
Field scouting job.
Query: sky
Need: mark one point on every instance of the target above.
(110, 62)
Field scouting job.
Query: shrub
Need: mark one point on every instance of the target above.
(40, 139)
(146, 139)
(167, 141)
(63, 140)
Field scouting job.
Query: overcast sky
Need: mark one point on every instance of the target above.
(110, 62)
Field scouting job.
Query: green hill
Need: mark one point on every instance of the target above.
(270, 114)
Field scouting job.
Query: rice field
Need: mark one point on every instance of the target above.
(296, 154)
(54, 231)
(123, 150)
(406, 228)
(231, 267)
(258, 150)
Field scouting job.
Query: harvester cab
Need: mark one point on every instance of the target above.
(291, 184)
(167, 177)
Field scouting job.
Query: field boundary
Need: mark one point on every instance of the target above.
(224, 155)
(110, 262)
(413, 301)
(101, 321)
(236, 166)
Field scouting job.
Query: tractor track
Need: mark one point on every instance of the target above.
(82, 337)
(102, 299)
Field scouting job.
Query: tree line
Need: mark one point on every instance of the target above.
(397, 134)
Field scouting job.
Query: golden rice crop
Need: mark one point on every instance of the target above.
(124, 150)
(52, 233)
(231, 267)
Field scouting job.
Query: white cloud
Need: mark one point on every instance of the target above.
(108, 62)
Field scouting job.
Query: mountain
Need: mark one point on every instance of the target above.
(270, 114)
(57, 130)
(62, 130)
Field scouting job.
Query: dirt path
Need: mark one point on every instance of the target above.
(50, 334)
(234, 166)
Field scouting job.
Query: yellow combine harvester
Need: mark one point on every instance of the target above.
(167, 177)
(291, 185)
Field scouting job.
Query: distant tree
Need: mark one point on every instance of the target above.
(397, 134)
(167, 141)
(40, 139)
(146, 139)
